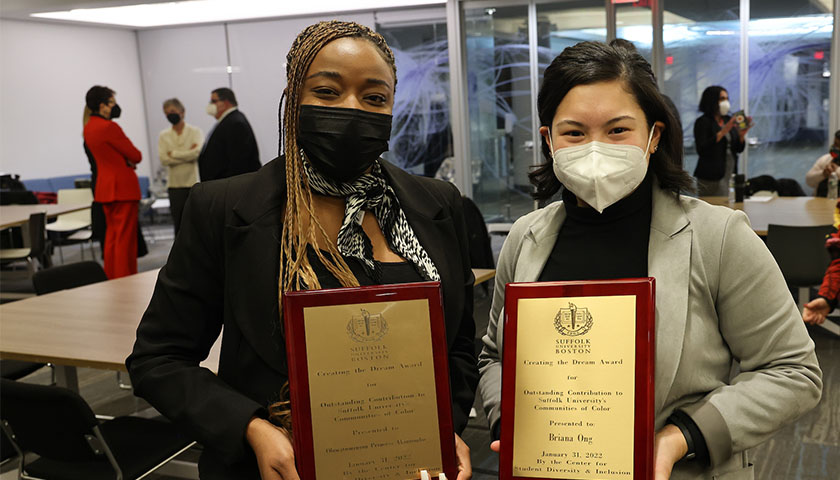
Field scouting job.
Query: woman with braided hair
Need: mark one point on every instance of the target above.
(327, 213)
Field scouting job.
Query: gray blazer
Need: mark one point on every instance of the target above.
(720, 298)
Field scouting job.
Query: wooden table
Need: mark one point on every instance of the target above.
(14, 215)
(483, 274)
(92, 326)
(795, 211)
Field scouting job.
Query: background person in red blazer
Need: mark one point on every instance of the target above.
(117, 188)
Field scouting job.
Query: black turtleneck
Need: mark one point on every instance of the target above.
(608, 245)
(601, 246)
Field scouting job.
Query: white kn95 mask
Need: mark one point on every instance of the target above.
(211, 109)
(601, 173)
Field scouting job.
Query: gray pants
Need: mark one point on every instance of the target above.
(717, 188)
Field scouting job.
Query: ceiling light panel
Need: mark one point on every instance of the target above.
(204, 11)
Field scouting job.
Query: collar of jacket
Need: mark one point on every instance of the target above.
(669, 250)
(267, 192)
(252, 239)
(667, 217)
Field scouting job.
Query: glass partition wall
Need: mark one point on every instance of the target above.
(774, 59)
(505, 47)
(421, 133)
(500, 106)
(789, 79)
(702, 48)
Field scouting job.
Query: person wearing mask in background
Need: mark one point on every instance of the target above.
(817, 176)
(178, 148)
(611, 142)
(117, 188)
(718, 142)
(97, 213)
(231, 148)
(328, 213)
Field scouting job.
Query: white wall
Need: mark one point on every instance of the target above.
(45, 71)
(187, 63)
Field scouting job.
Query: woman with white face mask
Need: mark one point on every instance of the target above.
(609, 139)
(718, 141)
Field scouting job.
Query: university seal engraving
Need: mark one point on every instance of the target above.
(367, 327)
(573, 321)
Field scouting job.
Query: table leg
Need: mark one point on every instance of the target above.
(66, 376)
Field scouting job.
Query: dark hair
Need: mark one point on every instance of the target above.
(593, 62)
(837, 134)
(710, 100)
(226, 94)
(97, 95)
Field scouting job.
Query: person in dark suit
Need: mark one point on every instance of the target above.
(718, 142)
(231, 148)
(329, 212)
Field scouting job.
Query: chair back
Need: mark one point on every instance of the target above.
(37, 234)
(800, 252)
(50, 421)
(67, 276)
(789, 187)
(76, 195)
(763, 182)
(18, 197)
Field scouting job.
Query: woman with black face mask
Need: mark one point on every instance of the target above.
(178, 150)
(329, 212)
(116, 184)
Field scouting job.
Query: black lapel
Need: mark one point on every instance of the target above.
(252, 238)
(432, 222)
(252, 243)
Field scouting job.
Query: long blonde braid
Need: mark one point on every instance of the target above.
(295, 270)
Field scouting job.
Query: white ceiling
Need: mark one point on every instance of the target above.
(22, 8)
(211, 11)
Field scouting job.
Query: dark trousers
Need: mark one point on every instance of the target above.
(177, 201)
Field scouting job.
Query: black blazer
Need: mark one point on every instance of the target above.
(223, 271)
(712, 162)
(230, 150)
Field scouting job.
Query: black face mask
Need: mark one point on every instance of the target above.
(115, 111)
(173, 118)
(342, 143)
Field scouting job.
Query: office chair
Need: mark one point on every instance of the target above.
(802, 258)
(73, 227)
(14, 370)
(59, 427)
(37, 245)
(68, 276)
(18, 197)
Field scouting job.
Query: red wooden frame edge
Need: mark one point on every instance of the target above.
(645, 291)
(293, 305)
